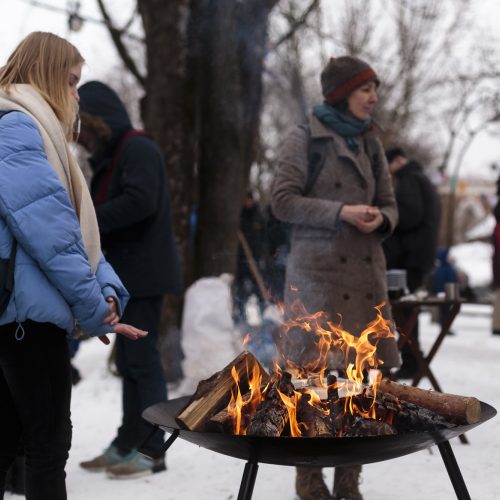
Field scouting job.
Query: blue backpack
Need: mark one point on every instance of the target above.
(7, 269)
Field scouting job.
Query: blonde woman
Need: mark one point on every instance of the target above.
(62, 283)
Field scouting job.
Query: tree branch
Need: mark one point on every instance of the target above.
(116, 36)
(296, 24)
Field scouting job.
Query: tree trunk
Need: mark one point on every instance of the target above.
(203, 102)
(231, 56)
(168, 107)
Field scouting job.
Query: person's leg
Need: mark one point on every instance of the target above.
(36, 371)
(10, 426)
(310, 485)
(143, 380)
(346, 483)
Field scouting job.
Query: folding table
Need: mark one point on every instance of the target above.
(413, 308)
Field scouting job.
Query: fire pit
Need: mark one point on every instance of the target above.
(323, 452)
(302, 414)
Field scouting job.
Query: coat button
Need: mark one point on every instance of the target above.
(343, 259)
(369, 296)
(338, 184)
(368, 259)
(346, 296)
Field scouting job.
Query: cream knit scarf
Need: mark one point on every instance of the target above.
(25, 98)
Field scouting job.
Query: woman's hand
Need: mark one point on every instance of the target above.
(372, 225)
(129, 331)
(112, 316)
(364, 217)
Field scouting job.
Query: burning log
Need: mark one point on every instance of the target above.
(408, 417)
(214, 393)
(223, 421)
(271, 416)
(336, 408)
(318, 423)
(456, 409)
(369, 427)
(220, 422)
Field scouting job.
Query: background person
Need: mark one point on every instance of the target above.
(253, 229)
(129, 190)
(336, 259)
(61, 278)
(412, 245)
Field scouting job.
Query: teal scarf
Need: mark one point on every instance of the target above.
(349, 128)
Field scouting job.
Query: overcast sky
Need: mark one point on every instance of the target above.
(19, 17)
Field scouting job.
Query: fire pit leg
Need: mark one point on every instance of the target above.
(453, 471)
(248, 480)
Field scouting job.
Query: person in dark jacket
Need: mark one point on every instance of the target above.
(412, 245)
(252, 227)
(129, 190)
(278, 240)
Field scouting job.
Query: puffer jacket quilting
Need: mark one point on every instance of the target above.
(53, 279)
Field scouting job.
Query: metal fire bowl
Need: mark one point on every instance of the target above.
(324, 452)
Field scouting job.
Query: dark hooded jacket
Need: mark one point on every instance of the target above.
(129, 188)
(412, 245)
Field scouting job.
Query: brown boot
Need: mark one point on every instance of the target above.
(346, 481)
(309, 484)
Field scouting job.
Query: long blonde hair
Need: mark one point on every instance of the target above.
(43, 60)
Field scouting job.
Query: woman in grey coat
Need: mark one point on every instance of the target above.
(336, 261)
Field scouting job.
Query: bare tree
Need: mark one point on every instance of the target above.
(203, 94)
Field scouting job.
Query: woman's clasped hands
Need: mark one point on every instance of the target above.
(366, 218)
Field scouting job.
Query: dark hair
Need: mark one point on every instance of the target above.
(392, 153)
(342, 106)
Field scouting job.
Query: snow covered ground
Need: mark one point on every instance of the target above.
(467, 364)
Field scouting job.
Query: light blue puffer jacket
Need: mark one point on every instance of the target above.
(53, 281)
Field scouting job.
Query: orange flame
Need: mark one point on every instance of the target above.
(309, 338)
(239, 407)
(291, 406)
(320, 335)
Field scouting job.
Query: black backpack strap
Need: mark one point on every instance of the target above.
(373, 151)
(316, 155)
(7, 268)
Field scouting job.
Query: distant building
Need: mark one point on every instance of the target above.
(471, 210)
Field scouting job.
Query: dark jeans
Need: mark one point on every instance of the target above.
(139, 364)
(35, 396)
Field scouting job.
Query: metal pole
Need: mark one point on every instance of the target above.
(453, 471)
(248, 480)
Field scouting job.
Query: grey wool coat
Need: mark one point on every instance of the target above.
(332, 266)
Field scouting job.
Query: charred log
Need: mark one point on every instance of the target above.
(271, 416)
(316, 421)
(408, 417)
(220, 422)
(370, 427)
